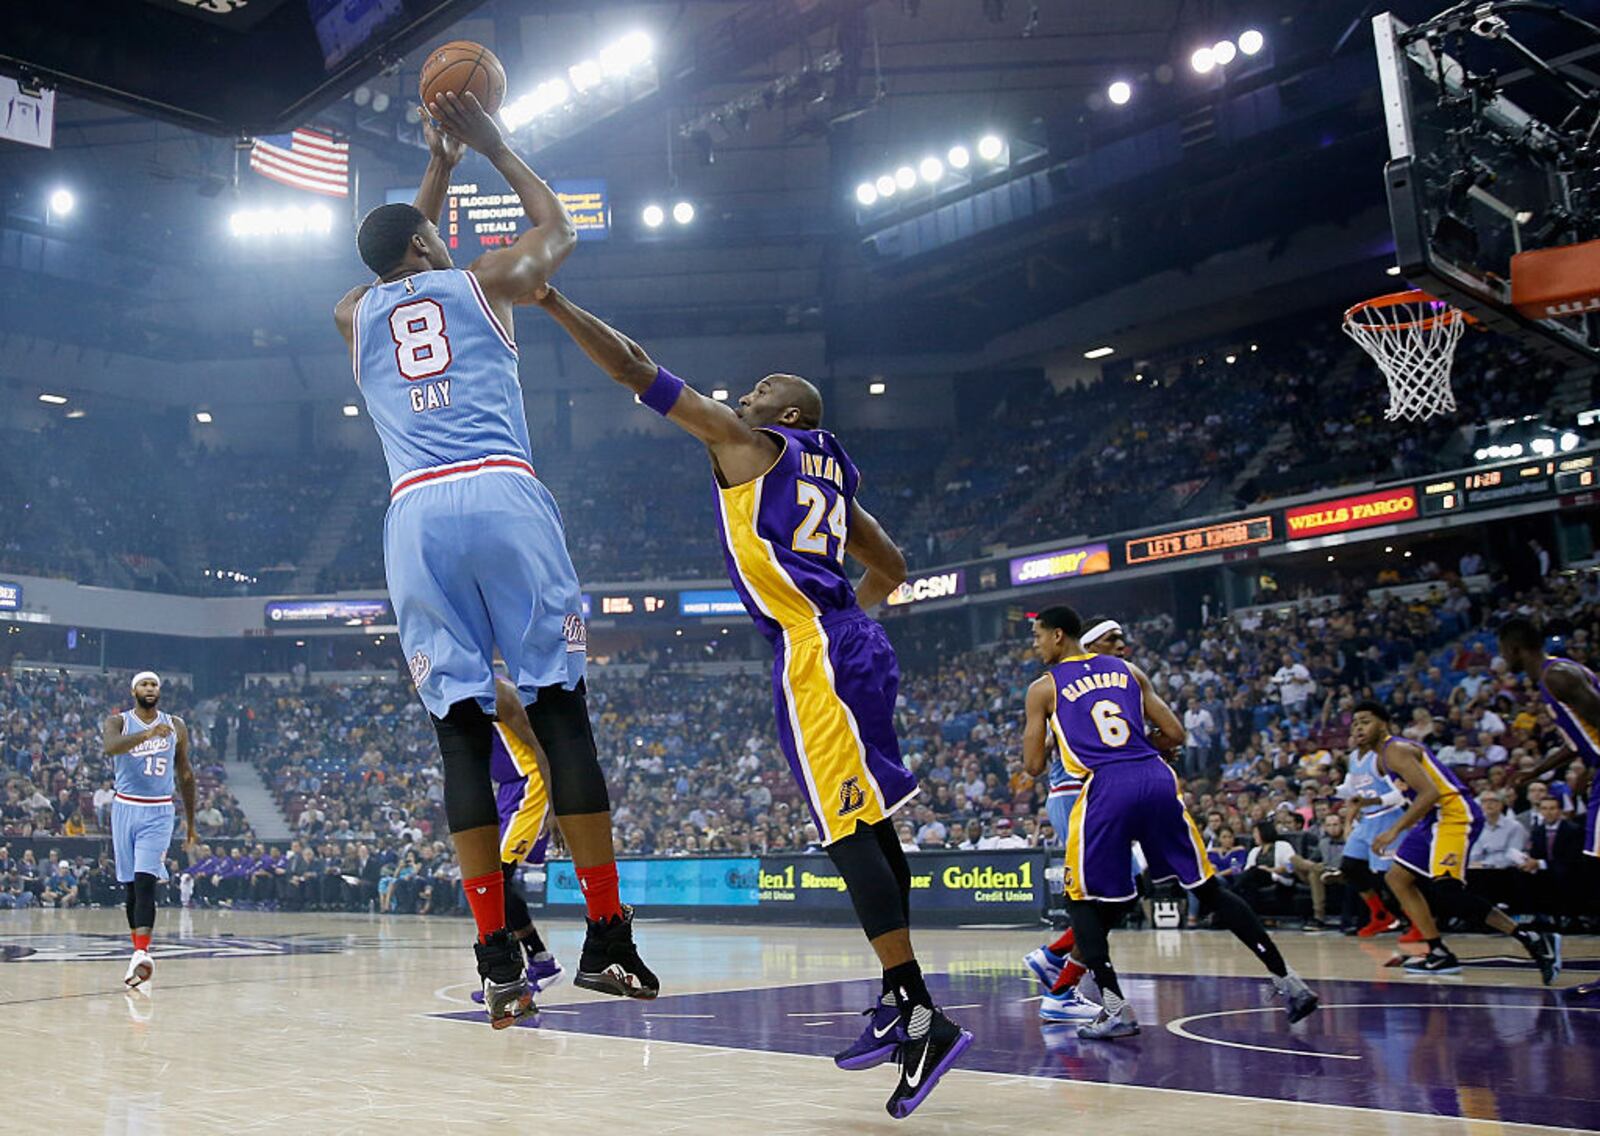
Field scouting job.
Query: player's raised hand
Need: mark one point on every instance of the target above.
(447, 149)
(464, 118)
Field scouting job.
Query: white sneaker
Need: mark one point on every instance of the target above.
(140, 967)
(1067, 1007)
(1045, 965)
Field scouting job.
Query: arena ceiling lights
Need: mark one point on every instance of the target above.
(591, 90)
(938, 175)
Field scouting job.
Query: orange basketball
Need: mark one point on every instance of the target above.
(462, 66)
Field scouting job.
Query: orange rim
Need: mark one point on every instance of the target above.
(1446, 315)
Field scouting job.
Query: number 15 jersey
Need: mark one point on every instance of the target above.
(1099, 714)
(784, 533)
(439, 375)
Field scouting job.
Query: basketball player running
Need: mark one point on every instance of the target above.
(520, 773)
(1430, 842)
(1376, 802)
(786, 491)
(1097, 706)
(474, 548)
(150, 752)
(1059, 965)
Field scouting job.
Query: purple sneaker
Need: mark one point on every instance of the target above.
(878, 1041)
(925, 1059)
(543, 971)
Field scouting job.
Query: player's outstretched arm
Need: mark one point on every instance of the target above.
(444, 154)
(512, 275)
(1041, 698)
(185, 777)
(872, 546)
(741, 454)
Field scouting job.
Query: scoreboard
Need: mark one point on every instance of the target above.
(479, 216)
(1501, 484)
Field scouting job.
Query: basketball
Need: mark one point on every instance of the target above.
(462, 66)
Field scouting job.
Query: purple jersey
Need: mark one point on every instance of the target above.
(1580, 736)
(784, 533)
(1099, 714)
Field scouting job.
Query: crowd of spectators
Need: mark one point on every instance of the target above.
(1173, 439)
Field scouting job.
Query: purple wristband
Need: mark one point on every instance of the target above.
(663, 394)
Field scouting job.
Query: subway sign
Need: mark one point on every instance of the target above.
(1344, 514)
(1061, 563)
(1220, 537)
(935, 586)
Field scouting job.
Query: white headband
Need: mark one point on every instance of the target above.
(142, 676)
(1099, 630)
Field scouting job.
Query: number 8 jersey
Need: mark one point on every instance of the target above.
(439, 374)
(1099, 714)
(784, 533)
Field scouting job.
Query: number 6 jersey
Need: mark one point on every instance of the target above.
(439, 375)
(784, 533)
(1099, 714)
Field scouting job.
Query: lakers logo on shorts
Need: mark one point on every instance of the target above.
(520, 849)
(851, 796)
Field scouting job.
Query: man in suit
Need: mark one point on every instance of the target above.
(1555, 857)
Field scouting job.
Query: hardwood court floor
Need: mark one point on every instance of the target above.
(313, 1024)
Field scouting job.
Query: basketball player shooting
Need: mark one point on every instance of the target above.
(474, 548)
(149, 749)
(786, 491)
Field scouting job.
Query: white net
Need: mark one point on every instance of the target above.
(1412, 337)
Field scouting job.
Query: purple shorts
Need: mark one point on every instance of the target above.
(1126, 802)
(834, 685)
(521, 798)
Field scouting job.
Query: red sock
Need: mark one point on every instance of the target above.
(140, 942)
(1375, 905)
(1069, 977)
(600, 891)
(1064, 944)
(486, 895)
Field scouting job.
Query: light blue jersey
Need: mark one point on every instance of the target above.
(141, 813)
(146, 773)
(439, 375)
(473, 544)
(1366, 779)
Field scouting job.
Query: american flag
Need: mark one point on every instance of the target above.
(305, 159)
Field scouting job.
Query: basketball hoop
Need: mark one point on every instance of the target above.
(1412, 337)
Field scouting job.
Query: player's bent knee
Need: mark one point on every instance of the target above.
(560, 720)
(466, 746)
(870, 880)
(1207, 894)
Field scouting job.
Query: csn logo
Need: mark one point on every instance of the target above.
(215, 7)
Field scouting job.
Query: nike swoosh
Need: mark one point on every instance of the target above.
(913, 1081)
(880, 1034)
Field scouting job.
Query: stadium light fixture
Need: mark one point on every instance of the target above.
(877, 387)
(616, 61)
(1392, 270)
(1569, 441)
(351, 410)
(1230, 359)
(1543, 447)
(867, 193)
(990, 147)
(54, 399)
(958, 157)
(931, 169)
(62, 202)
(1119, 93)
(1224, 52)
(585, 76)
(293, 221)
(1203, 61)
(905, 177)
(683, 212)
(885, 186)
(632, 50)
(653, 216)
(203, 417)
(77, 412)
(720, 394)
(1099, 352)
(380, 102)
(1251, 41)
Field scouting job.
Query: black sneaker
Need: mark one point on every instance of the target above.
(1434, 962)
(610, 962)
(505, 983)
(925, 1059)
(1545, 949)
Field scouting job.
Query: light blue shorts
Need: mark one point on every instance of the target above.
(1364, 832)
(480, 563)
(140, 836)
